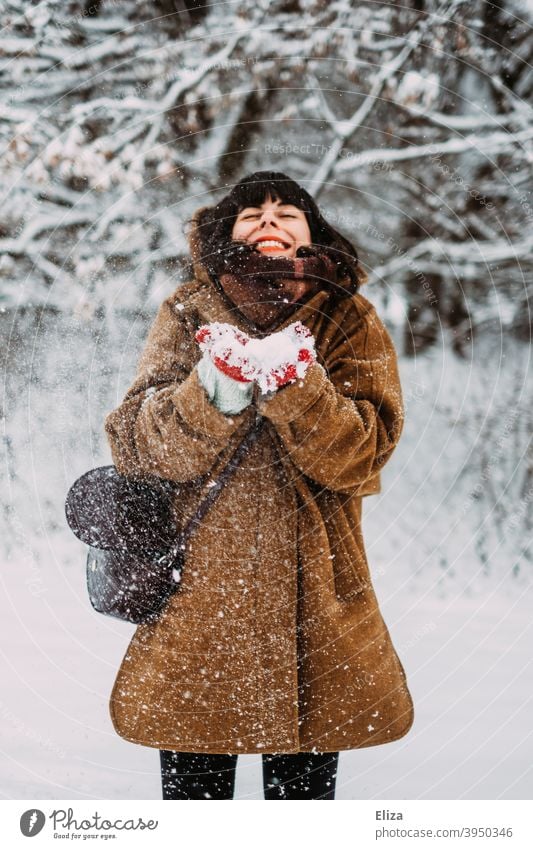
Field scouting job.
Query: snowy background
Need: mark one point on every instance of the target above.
(412, 128)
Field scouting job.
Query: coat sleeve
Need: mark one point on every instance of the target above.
(166, 425)
(341, 423)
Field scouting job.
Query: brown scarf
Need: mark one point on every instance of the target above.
(267, 289)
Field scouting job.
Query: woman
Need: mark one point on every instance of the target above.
(274, 642)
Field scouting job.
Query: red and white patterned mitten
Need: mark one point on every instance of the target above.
(272, 362)
(285, 356)
(228, 348)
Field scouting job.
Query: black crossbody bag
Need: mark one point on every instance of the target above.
(136, 552)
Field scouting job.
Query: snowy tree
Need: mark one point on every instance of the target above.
(409, 124)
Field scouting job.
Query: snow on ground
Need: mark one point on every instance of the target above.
(458, 609)
(467, 660)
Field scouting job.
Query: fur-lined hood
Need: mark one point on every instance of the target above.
(199, 269)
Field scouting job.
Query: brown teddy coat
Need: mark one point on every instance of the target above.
(274, 641)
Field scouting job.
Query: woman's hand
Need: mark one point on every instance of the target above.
(228, 395)
(225, 371)
(271, 362)
(227, 348)
(294, 351)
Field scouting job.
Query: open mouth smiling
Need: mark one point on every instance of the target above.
(272, 243)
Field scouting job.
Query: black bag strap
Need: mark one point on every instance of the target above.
(186, 532)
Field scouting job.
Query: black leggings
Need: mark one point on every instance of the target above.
(304, 775)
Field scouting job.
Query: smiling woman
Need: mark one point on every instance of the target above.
(274, 642)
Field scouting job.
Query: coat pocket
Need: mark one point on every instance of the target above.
(349, 566)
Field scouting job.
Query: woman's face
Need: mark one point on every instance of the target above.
(275, 228)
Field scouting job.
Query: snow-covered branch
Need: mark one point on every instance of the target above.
(345, 130)
(119, 122)
(489, 143)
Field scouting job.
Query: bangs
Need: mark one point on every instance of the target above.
(255, 190)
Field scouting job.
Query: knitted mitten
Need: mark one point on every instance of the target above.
(228, 348)
(286, 356)
(273, 361)
(228, 395)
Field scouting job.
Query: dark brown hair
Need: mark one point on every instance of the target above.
(217, 222)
